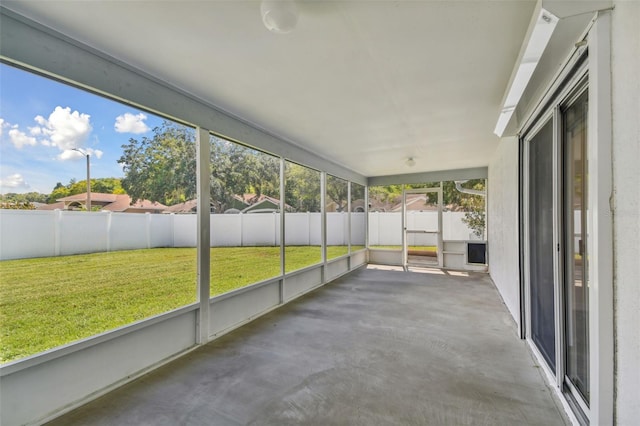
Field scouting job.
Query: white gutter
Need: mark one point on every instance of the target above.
(469, 191)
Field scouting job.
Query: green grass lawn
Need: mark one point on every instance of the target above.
(48, 302)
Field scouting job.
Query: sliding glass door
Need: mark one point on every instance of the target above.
(575, 252)
(555, 234)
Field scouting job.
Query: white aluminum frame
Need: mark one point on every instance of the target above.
(203, 266)
(531, 133)
(600, 223)
(405, 231)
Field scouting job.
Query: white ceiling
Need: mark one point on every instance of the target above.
(365, 84)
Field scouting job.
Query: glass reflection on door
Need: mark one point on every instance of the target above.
(576, 259)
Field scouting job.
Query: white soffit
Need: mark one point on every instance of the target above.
(364, 84)
(572, 18)
(540, 31)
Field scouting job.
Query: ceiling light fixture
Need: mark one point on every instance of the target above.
(279, 16)
(410, 162)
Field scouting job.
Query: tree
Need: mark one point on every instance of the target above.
(109, 185)
(27, 197)
(337, 191)
(161, 168)
(474, 207)
(101, 185)
(17, 205)
(302, 188)
(237, 170)
(59, 191)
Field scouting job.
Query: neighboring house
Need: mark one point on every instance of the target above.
(190, 206)
(247, 203)
(358, 206)
(419, 203)
(110, 202)
(333, 207)
(379, 206)
(261, 204)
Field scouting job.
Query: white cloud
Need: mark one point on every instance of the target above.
(70, 154)
(129, 123)
(63, 129)
(15, 182)
(20, 139)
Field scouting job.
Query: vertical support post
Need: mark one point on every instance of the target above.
(600, 223)
(366, 222)
(405, 251)
(87, 203)
(282, 230)
(203, 243)
(440, 242)
(88, 184)
(349, 218)
(323, 222)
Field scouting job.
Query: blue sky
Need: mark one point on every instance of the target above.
(42, 120)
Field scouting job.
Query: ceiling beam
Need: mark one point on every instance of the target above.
(437, 176)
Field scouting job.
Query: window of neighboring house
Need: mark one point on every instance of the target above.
(303, 219)
(337, 208)
(69, 273)
(245, 223)
(358, 223)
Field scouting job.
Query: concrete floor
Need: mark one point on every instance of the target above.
(376, 347)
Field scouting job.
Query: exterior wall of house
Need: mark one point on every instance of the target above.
(625, 64)
(502, 226)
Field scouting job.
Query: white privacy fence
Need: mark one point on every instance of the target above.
(385, 229)
(29, 233)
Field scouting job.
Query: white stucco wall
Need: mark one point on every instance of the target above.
(625, 64)
(503, 224)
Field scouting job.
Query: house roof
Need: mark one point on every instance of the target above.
(261, 203)
(123, 204)
(189, 206)
(416, 202)
(109, 202)
(54, 206)
(96, 197)
(250, 198)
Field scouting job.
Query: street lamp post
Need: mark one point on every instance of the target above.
(86, 154)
